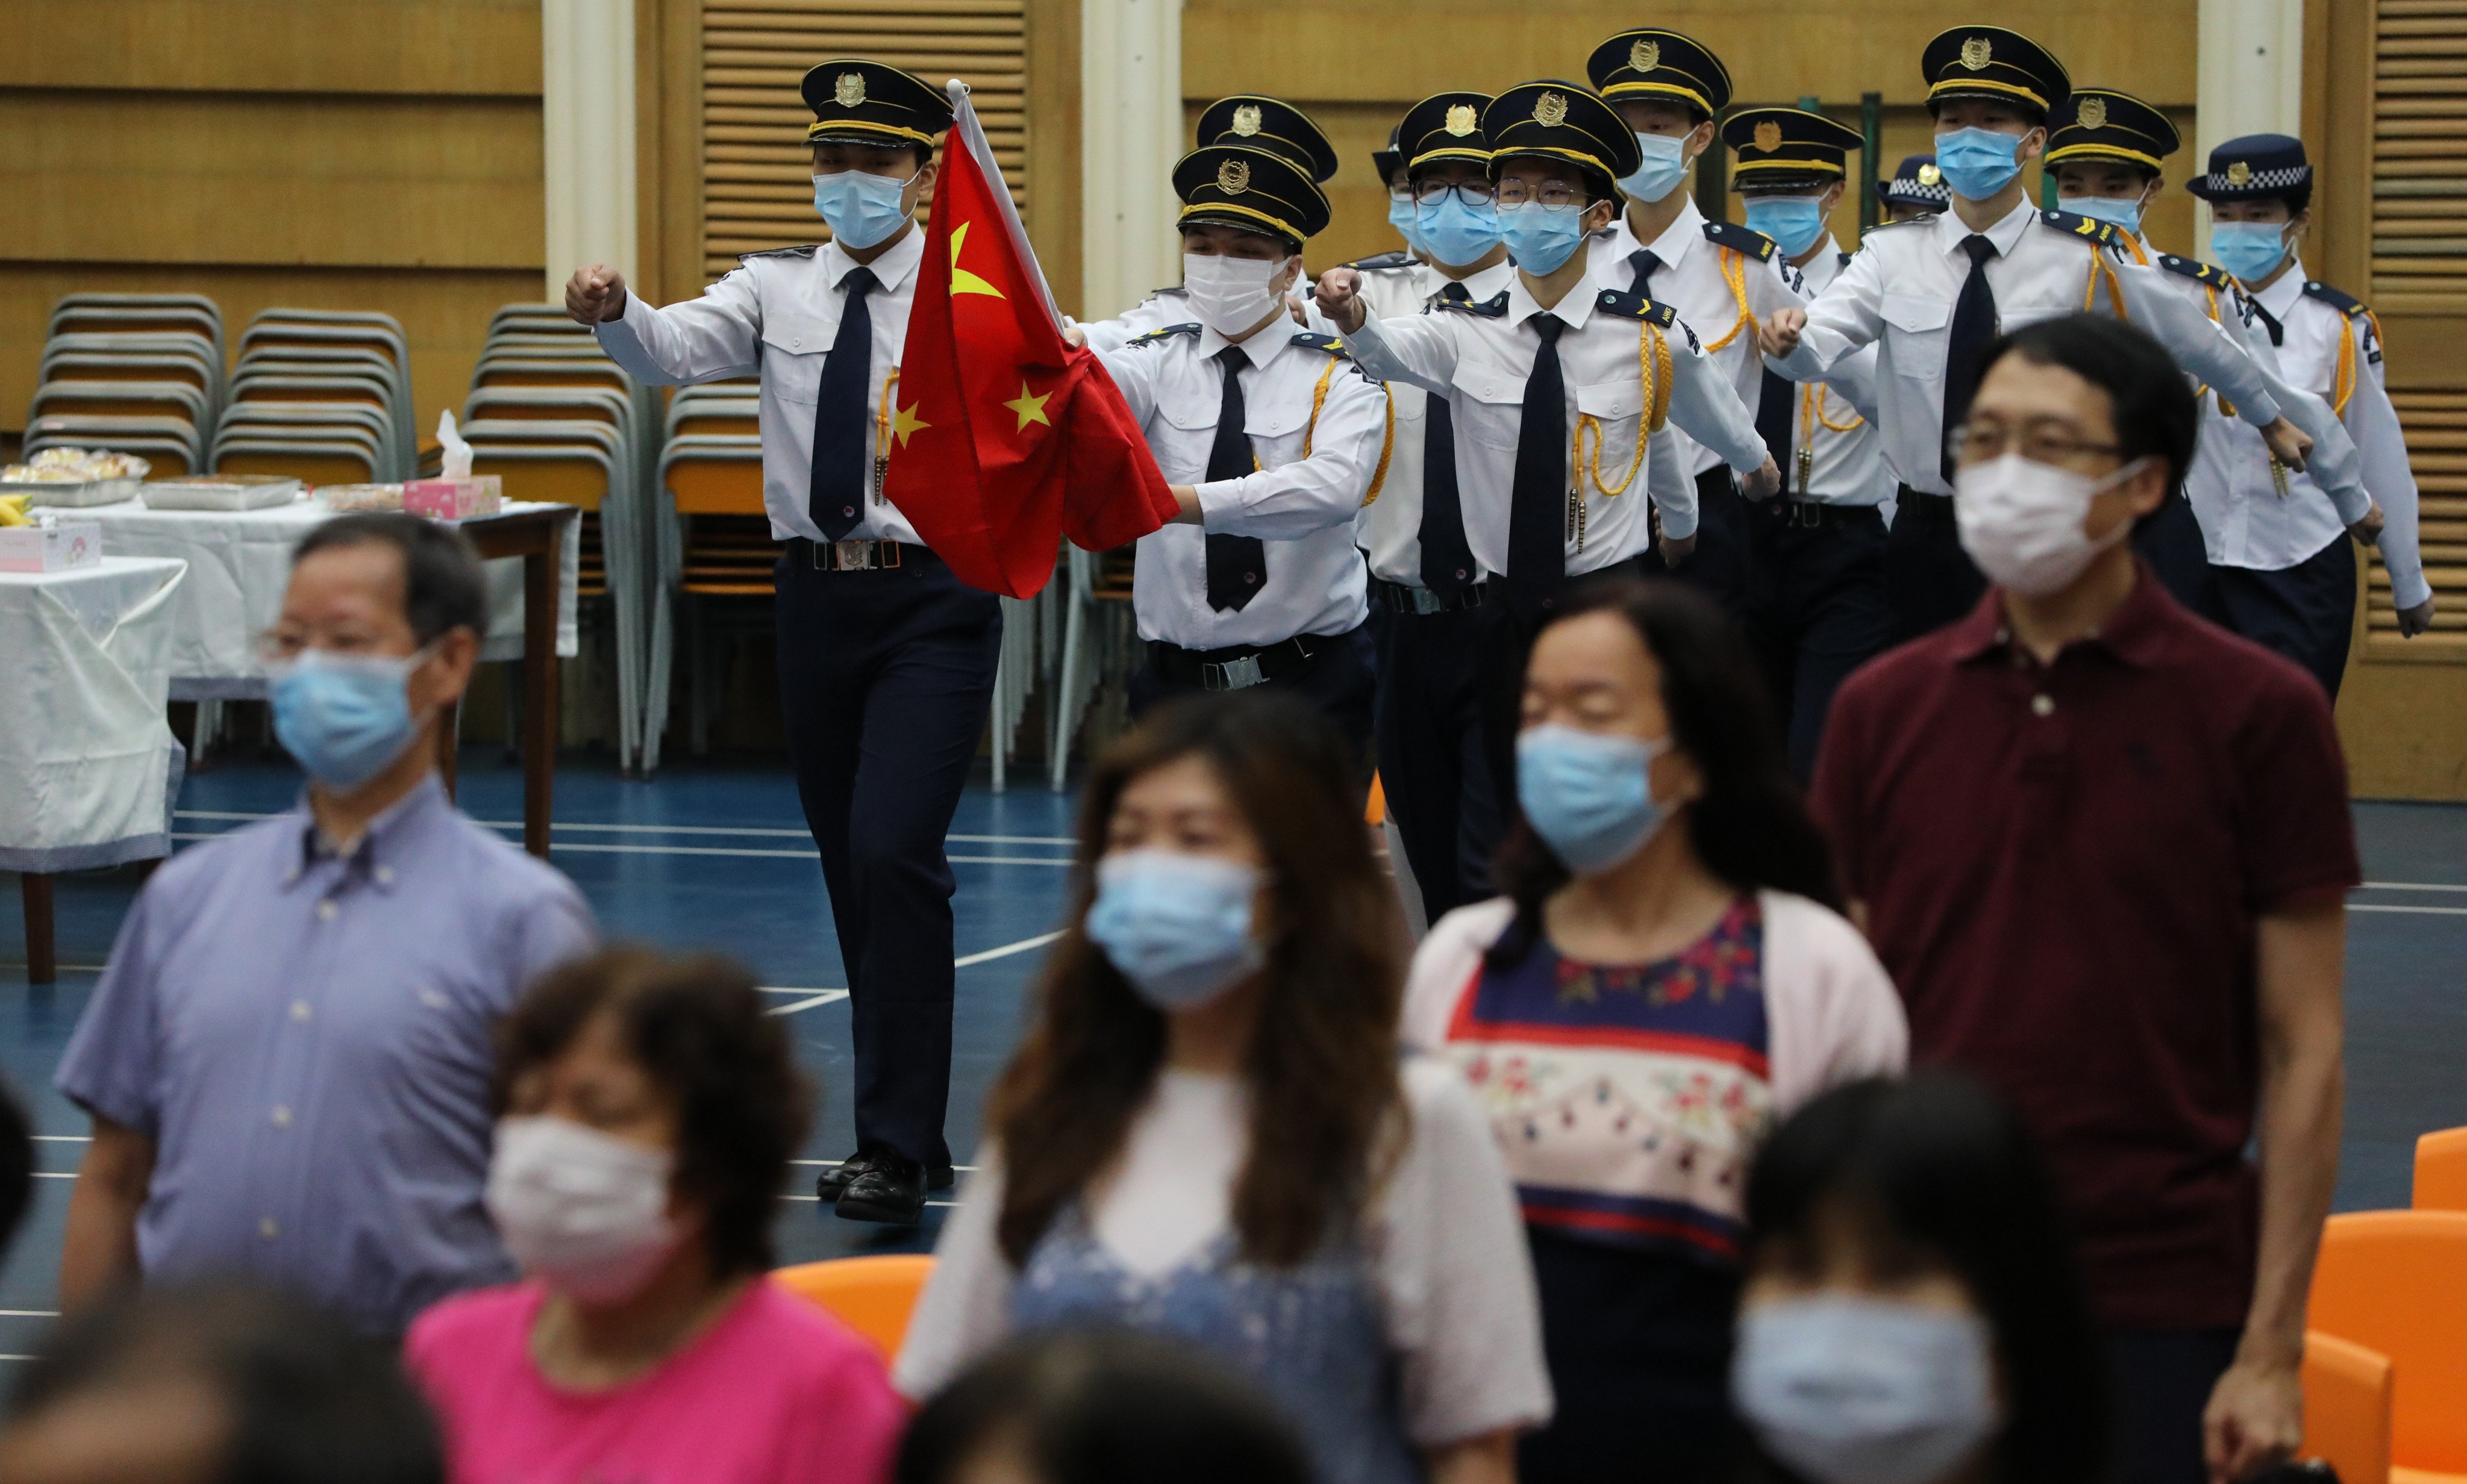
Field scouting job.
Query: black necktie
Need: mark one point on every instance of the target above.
(835, 495)
(1447, 561)
(1237, 566)
(1537, 510)
(2268, 321)
(1644, 262)
(1974, 329)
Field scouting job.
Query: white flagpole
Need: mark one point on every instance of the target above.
(972, 135)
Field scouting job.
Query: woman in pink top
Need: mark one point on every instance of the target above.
(648, 1111)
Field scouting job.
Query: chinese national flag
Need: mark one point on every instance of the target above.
(1001, 437)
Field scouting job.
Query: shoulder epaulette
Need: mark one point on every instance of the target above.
(1379, 260)
(1842, 259)
(1922, 220)
(1740, 240)
(1312, 340)
(1495, 307)
(2197, 270)
(1177, 291)
(2345, 302)
(1158, 337)
(807, 251)
(2102, 232)
(1636, 306)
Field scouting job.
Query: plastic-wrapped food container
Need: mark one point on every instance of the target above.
(73, 477)
(342, 498)
(220, 492)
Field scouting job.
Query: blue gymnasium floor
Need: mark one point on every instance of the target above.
(718, 857)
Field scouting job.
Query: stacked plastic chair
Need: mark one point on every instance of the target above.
(1099, 642)
(324, 394)
(557, 420)
(140, 374)
(712, 541)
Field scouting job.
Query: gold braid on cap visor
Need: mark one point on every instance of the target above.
(1450, 152)
(823, 126)
(1967, 84)
(1196, 207)
(1669, 89)
(2103, 152)
(1819, 166)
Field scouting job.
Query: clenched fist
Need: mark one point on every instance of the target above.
(1779, 336)
(596, 295)
(1340, 298)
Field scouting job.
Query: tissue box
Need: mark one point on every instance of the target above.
(454, 500)
(56, 548)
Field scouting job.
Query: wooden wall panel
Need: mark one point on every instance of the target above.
(318, 46)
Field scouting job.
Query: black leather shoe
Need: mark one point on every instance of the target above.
(831, 1181)
(889, 1190)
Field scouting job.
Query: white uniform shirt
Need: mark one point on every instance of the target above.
(1898, 294)
(1834, 421)
(1694, 279)
(777, 315)
(2244, 520)
(1481, 363)
(1303, 505)
(1161, 310)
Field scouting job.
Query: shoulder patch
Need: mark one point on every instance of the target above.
(2089, 227)
(1842, 259)
(1177, 291)
(2197, 270)
(1158, 337)
(1636, 306)
(1495, 307)
(1311, 340)
(1379, 260)
(2345, 302)
(1740, 240)
(807, 251)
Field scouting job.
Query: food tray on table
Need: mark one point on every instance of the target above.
(71, 478)
(222, 493)
(342, 498)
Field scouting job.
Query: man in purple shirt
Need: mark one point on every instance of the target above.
(287, 1059)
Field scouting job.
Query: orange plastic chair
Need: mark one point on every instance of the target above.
(2395, 1282)
(872, 1295)
(2441, 1171)
(2347, 1408)
(1375, 813)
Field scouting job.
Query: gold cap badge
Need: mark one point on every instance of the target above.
(1976, 53)
(849, 90)
(1462, 120)
(2093, 114)
(1233, 178)
(1551, 110)
(1929, 174)
(1246, 120)
(2239, 173)
(1644, 55)
(1769, 136)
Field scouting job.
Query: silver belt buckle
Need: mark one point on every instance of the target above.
(1427, 601)
(852, 556)
(1232, 675)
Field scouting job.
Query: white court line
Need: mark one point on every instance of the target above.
(833, 1164)
(817, 1200)
(28, 1313)
(674, 829)
(827, 996)
(2408, 886)
(2421, 912)
(1006, 950)
(571, 846)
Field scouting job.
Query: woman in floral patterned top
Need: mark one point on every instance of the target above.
(1665, 977)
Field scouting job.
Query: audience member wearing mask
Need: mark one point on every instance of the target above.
(288, 1056)
(1209, 1131)
(2104, 848)
(650, 1110)
(1099, 1407)
(202, 1385)
(1913, 1312)
(1662, 979)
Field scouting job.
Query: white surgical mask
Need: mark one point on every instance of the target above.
(1854, 1390)
(584, 1211)
(1230, 295)
(2021, 521)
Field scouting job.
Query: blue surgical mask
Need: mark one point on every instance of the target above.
(1539, 238)
(1400, 215)
(1855, 1390)
(1666, 161)
(344, 718)
(861, 209)
(1795, 223)
(1177, 926)
(2107, 209)
(2250, 250)
(1978, 163)
(1456, 233)
(1589, 795)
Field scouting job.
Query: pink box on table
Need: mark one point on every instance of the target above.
(58, 548)
(454, 500)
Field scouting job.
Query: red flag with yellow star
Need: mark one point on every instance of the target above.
(1001, 438)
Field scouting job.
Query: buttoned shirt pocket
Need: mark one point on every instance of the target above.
(1182, 431)
(1492, 404)
(1610, 419)
(1917, 331)
(794, 347)
(1277, 419)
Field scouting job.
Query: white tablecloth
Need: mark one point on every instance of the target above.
(88, 764)
(239, 562)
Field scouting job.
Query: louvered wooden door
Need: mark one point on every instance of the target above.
(758, 188)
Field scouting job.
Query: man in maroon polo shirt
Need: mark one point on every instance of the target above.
(2104, 848)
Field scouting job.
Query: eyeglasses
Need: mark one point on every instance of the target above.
(1475, 193)
(1978, 442)
(1554, 195)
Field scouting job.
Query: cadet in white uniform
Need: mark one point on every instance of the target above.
(886, 659)
(1722, 278)
(1935, 293)
(1819, 551)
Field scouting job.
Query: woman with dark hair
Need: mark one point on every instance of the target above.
(1099, 1407)
(1912, 1311)
(1209, 1131)
(1663, 976)
(647, 1112)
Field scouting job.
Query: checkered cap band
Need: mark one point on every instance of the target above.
(2278, 179)
(1912, 190)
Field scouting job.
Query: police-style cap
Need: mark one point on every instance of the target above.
(1445, 126)
(1253, 189)
(1788, 148)
(1256, 123)
(856, 102)
(1385, 161)
(2102, 123)
(1561, 121)
(2256, 167)
(1917, 182)
(1992, 62)
(1650, 62)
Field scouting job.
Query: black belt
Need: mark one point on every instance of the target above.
(1404, 598)
(1815, 515)
(1937, 508)
(856, 555)
(1238, 666)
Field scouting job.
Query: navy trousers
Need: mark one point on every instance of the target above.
(1723, 567)
(1340, 680)
(885, 681)
(2170, 541)
(1825, 613)
(2306, 612)
(1433, 764)
(2161, 1381)
(1929, 578)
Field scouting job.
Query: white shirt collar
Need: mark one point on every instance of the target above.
(892, 270)
(1265, 345)
(1824, 267)
(2279, 298)
(1478, 286)
(1684, 231)
(1573, 311)
(1951, 232)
